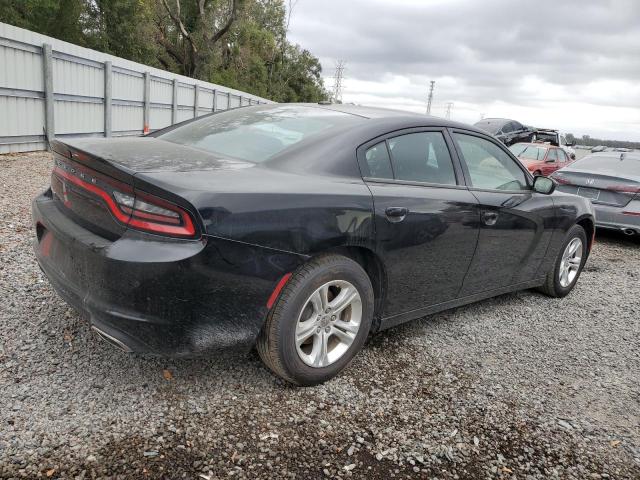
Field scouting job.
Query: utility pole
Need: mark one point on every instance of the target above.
(337, 82)
(449, 107)
(430, 99)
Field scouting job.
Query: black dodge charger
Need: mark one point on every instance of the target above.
(298, 229)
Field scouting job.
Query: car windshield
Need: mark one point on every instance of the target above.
(257, 134)
(613, 165)
(491, 126)
(529, 152)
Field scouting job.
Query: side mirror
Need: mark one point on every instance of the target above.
(543, 185)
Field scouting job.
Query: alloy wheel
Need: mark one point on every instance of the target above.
(328, 323)
(570, 263)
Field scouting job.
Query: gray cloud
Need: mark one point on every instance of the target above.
(488, 47)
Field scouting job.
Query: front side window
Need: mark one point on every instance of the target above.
(553, 155)
(489, 167)
(377, 162)
(422, 157)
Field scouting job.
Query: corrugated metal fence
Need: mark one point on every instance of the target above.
(53, 88)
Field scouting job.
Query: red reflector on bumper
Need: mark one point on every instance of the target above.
(276, 291)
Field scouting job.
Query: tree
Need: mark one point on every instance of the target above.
(122, 28)
(62, 19)
(194, 29)
(238, 43)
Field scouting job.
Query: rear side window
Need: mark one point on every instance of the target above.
(489, 166)
(562, 156)
(422, 157)
(377, 162)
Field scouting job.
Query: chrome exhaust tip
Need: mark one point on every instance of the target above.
(112, 340)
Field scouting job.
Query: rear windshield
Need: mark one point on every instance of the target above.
(529, 152)
(257, 134)
(611, 165)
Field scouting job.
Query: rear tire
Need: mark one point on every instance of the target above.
(537, 173)
(304, 307)
(567, 267)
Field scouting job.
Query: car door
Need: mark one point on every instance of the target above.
(550, 164)
(515, 221)
(426, 220)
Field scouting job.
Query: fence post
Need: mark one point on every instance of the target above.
(215, 96)
(196, 99)
(47, 70)
(174, 102)
(228, 100)
(107, 99)
(147, 105)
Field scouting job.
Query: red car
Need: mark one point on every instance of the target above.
(540, 158)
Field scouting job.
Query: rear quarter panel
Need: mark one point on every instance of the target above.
(304, 214)
(570, 209)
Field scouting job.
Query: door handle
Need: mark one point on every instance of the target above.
(396, 214)
(489, 218)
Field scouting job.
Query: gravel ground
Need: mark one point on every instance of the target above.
(520, 386)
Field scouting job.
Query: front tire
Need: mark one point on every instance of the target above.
(569, 263)
(320, 321)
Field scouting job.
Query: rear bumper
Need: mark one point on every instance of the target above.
(170, 297)
(612, 218)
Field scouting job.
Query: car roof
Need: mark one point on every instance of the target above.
(496, 121)
(384, 115)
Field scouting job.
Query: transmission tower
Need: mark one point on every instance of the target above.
(449, 107)
(337, 82)
(430, 99)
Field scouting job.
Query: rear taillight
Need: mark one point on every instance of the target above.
(138, 210)
(624, 188)
(559, 179)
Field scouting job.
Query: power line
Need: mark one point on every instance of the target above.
(337, 82)
(430, 99)
(449, 107)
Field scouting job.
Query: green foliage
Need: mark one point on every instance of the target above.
(57, 18)
(238, 43)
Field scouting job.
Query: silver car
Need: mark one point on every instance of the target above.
(612, 181)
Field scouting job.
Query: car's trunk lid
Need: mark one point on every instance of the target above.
(87, 168)
(603, 189)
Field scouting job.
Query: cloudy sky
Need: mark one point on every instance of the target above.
(571, 64)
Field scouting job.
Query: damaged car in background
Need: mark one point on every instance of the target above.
(506, 130)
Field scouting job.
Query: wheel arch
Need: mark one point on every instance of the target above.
(590, 229)
(373, 266)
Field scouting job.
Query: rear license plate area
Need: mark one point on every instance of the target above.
(591, 193)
